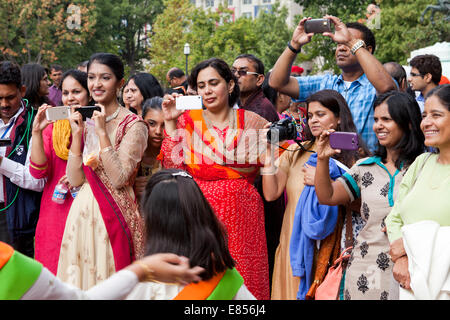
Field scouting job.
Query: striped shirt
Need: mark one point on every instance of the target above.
(360, 97)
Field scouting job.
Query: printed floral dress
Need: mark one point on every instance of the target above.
(369, 272)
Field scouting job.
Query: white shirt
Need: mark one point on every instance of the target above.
(161, 291)
(49, 287)
(19, 174)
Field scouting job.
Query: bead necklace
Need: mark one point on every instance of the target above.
(114, 115)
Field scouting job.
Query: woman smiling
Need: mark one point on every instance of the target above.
(376, 181)
(104, 230)
(424, 192)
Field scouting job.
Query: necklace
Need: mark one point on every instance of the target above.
(114, 115)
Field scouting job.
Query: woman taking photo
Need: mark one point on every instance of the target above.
(153, 115)
(376, 181)
(140, 87)
(325, 109)
(104, 230)
(35, 79)
(424, 191)
(49, 154)
(212, 145)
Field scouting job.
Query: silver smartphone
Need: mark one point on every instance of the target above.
(57, 113)
(188, 103)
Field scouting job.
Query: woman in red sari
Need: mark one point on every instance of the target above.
(221, 147)
(104, 230)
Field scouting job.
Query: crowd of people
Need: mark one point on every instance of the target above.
(144, 200)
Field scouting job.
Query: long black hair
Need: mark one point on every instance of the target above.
(32, 74)
(335, 102)
(180, 220)
(405, 112)
(223, 69)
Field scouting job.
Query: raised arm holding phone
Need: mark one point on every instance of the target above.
(362, 77)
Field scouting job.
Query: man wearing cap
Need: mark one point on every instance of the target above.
(362, 77)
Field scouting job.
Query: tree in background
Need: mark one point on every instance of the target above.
(168, 37)
(401, 32)
(214, 34)
(398, 32)
(321, 46)
(34, 30)
(272, 34)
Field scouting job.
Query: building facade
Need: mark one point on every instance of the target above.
(251, 8)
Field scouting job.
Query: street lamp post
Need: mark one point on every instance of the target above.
(187, 51)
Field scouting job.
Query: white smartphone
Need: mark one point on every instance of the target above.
(189, 102)
(57, 113)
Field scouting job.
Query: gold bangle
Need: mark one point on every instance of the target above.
(149, 273)
(37, 168)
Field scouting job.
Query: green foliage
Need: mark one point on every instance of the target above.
(273, 35)
(213, 34)
(168, 38)
(38, 30)
(399, 33)
(321, 46)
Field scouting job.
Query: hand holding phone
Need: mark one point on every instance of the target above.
(57, 113)
(188, 103)
(317, 25)
(344, 140)
(88, 111)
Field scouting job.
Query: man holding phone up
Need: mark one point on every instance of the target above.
(20, 193)
(362, 77)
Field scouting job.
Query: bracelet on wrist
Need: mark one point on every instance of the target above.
(149, 273)
(357, 45)
(106, 149)
(293, 49)
(71, 154)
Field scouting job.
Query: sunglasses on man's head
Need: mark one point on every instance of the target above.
(243, 73)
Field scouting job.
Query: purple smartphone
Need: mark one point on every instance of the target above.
(344, 140)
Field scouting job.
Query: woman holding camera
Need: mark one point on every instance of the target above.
(218, 146)
(375, 180)
(325, 109)
(49, 154)
(104, 230)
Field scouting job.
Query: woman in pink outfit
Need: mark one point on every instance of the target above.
(49, 154)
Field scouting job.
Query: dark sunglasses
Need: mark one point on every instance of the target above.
(243, 73)
(412, 74)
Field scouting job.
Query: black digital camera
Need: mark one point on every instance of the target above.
(286, 130)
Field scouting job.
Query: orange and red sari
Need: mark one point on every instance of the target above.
(224, 164)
